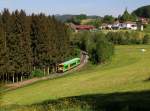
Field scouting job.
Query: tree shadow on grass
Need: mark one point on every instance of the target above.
(130, 101)
(127, 101)
(147, 80)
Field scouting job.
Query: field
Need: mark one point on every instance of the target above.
(147, 29)
(121, 81)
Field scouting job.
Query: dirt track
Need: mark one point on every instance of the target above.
(84, 60)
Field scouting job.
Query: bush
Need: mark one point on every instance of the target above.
(99, 49)
(80, 40)
(125, 38)
(96, 44)
(37, 73)
(146, 39)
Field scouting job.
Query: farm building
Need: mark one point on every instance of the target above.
(81, 27)
(143, 20)
(84, 27)
(117, 25)
(130, 25)
(106, 26)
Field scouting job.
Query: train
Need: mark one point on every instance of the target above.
(66, 66)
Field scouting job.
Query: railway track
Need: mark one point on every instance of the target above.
(84, 59)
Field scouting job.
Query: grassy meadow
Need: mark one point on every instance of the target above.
(147, 29)
(124, 82)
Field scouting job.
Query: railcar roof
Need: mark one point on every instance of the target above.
(70, 61)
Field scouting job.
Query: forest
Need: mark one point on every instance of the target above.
(143, 11)
(30, 42)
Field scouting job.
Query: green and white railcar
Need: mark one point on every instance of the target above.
(63, 67)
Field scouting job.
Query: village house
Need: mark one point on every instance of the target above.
(130, 25)
(143, 20)
(125, 25)
(105, 26)
(117, 26)
(77, 28)
(84, 27)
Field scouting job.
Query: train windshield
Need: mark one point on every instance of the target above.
(60, 65)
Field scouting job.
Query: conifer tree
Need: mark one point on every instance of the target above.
(30, 41)
(24, 44)
(4, 33)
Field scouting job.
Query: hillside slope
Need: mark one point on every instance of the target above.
(143, 11)
(129, 71)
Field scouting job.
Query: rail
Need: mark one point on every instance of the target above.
(83, 57)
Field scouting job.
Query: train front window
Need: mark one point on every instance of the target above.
(61, 67)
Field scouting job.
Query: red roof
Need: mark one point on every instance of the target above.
(84, 27)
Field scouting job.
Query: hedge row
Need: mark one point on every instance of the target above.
(125, 38)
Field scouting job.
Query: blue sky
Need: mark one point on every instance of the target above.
(90, 7)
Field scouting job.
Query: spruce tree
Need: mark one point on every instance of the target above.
(24, 43)
(30, 41)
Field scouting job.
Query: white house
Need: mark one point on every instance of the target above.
(125, 25)
(116, 25)
(130, 25)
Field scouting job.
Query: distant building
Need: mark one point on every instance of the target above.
(77, 28)
(117, 25)
(143, 20)
(105, 26)
(84, 27)
(71, 25)
(130, 25)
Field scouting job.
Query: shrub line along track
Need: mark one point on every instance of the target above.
(84, 60)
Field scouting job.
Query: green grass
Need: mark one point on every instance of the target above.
(127, 72)
(147, 29)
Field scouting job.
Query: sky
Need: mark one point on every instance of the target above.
(89, 7)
